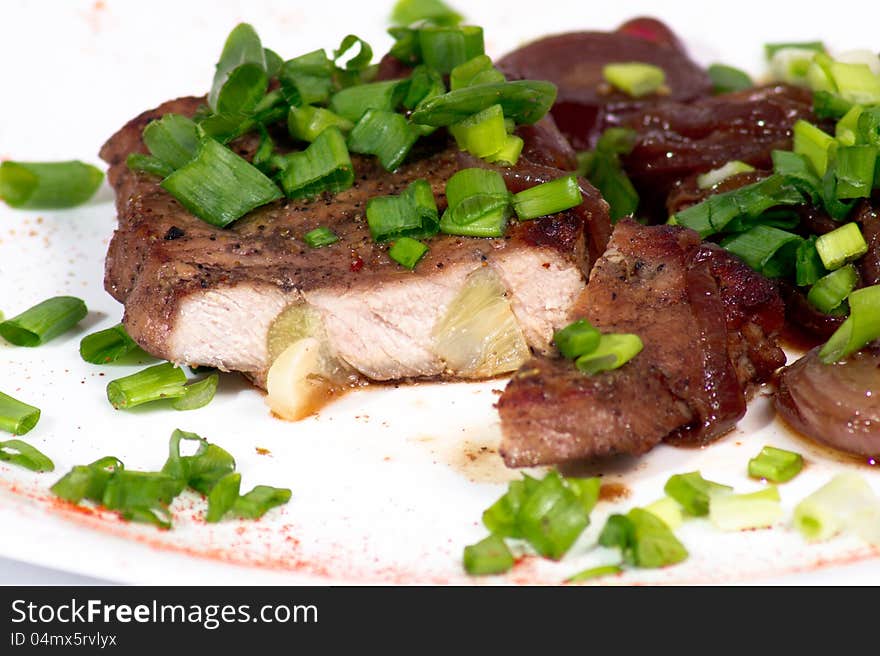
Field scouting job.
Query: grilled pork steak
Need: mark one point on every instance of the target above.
(202, 295)
(708, 323)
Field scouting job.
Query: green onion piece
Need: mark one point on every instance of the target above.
(259, 501)
(48, 185)
(502, 517)
(148, 164)
(264, 157)
(776, 465)
(856, 82)
(694, 492)
(407, 252)
(711, 178)
(594, 573)
(407, 12)
(612, 352)
(482, 134)
(243, 90)
(411, 214)
(87, 481)
(306, 123)
(386, 135)
(548, 198)
(781, 218)
(830, 291)
(834, 507)
(586, 490)
(846, 131)
(406, 45)
(842, 245)
(793, 66)
(577, 339)
(837, 208)
(106, 346)
(668, 510)
(758, 247)
(17, 417)
(814, 144)
(424, 83)
(603, 169)
(855, 171)
(198, 394)
(220, 187)
(635, 79)
(44, 321)
(869, 125)
(524, 101)
(509, 153)
(466, 74)
(141, 496)
(222, 497)
(727, 79)
(353, 102)
(643, 538)
(24, 455)
(473, 182)
(443, 48)
(161, 381)
(242, 47)
(552, 517)
(488, 556)
(829, 105)
(320, 237)
(483, 215)
(739, 512)
(862, 326)
(361, 60)
(324, 166)
(798, 171)
(771, 49)
(808, 264)
(274, 62)
(307, 79)
(202, 470)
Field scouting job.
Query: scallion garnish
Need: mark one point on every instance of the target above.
(711, 178)
(353, 102)
(727, 79)
(830, 291)
(667, 509)
(776, 465)
(478, 70)
(841, 245)
(771, 49)
(320, 237)
(242, 47)
(479, 204)
(548, 198)
(739, 512)
(259, 501)
(635, 79)
(424, 83)
(307, 79)
(359, 61)
(407, 12)
(324, 166)
(202, 470)
(161, 381)
(694, 492)
(612, 352)
(855, 82)
(148, 164)
(766, 249)
(222, 497)
(173, 139)
(44, 321)
(24, 455)
(482, 134)
(387, 135)
(643, 539)
(48, 185)
(855, 171)
(141, 496)
(524, 101)
(87, 481)
(594, 573)
(106, 346)
(577, 339)
(808, 264)
(445, 47)
(411, 214)
(198, 394)
(407, 252)
(861, 327)
(814, 144)
(306, 123)
(603, 169)
(490, 555)
(835, 507)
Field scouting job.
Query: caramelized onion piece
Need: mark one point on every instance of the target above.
(836, 404)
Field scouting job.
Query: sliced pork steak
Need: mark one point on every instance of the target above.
(201, 295)
(708, 323)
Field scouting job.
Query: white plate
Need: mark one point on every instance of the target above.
(388, 484)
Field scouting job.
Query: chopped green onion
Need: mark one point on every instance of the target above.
(424, 83)
(834, 507)
(794, 66)
(856, 82)
(635, 79)
(360, 61)
(817, 146)
(482, 134)
(161, 381)
(771, 49)
(478, 70)
(797, 170)
(694, 492)
(17, 417)
(264, 157)
(48, 185)
(594, 573)
(552, 517)
(727, 79)
(776, 465)
(548, 198)
(222, 497)
(242, 92)
(324, 166)
(220, 187)
(861, 327)
(202, 470)
(603, 169)
(829, 105)
(198, 394)
(274, 62)
(509, 152)
(353, 102)
(501, 518)
(148, 164)
(869, 125)
(577, 339)
(846, 131)
(106, 346)
(711, 178)
(667, 509)
(842, 245)
(320, 237)
(739, 512)
(141, 496)
(24, 455)
(306, 123)
(87, 481)
(242, 46)
(643, 538)
(44, 321)
(613, 351)
(472, 182)
(765, 249)
(808, 264)
(781, 218)
(524, 101)
(407, 252)
(479, 204)
(411, 214)
(831, 290)
(407, 12)
(386, 135)
(443, 48)
(307, 79)
(259, 501)
(489, 556)
(855, 171)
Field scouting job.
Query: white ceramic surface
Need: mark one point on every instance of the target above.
(388, 484)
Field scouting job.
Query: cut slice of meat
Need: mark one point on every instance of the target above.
(201, 295)
(708, 324)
